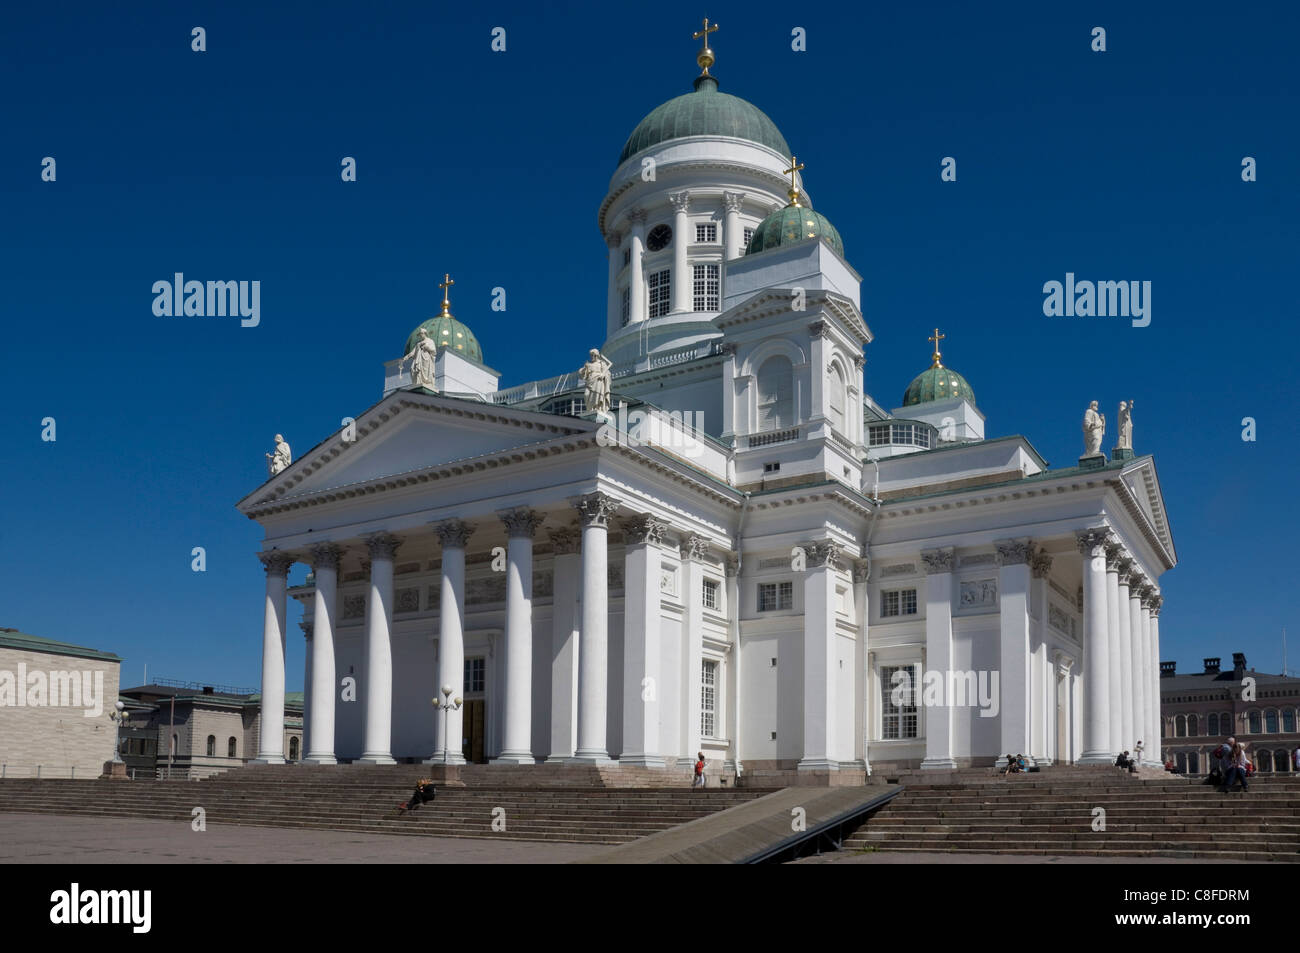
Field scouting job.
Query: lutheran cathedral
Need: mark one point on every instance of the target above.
(711, 538)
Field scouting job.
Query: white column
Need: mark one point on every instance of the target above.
(820, 348)
(1153, 714)
(614, 321)
(734, 681)
(819, 662)
(1096, 649)
(729, 385)
(306, 688)
(1141, 646)
(733, 235)
(681, 240)
(637, 277)
(378, 733)
(1013, 556)
(449, 725)
(1150, 705)
(1131, 649)
(861, 736)
(320, 710)
(692, 551)
(270, 748)
(517, 745)
(642, 627)
(1121, 734)
(1043, 725)
(938, 654)
(594, 511)
(566, 572)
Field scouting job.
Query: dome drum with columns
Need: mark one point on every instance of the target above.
(655, 541)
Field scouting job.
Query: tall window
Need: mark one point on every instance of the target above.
(473, 675)
(660, 293)
(293, 748)
(898, 693)
(706, 233)
(1270, 721)
(1288, 720)
(775, 394)
(1193, 726)
(749, 234)
(710, 593)
(1213, 726)
(1254, 723)
(212, 745)
(896, 602)
(627, 306)
(708, 698)
(773, 596)
(230, 747)
(1180, 726)
(837, 399)
(706, 287)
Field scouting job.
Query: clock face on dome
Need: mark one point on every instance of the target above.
(659, 238)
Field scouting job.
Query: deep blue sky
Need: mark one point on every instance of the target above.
(225, 164)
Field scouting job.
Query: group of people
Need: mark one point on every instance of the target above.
(1229, 766)
(1016, 764)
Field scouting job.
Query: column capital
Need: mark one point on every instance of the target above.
(693, 547)
(823, 553)
(277, 563)
(939, 560)
(1125, 570)
(817, 329)
(1147, 593)
(727, 347)
(1041, 564)
(382, 545)
(1014, 552)
(1114, 553)
(613, 239)
(1137, 579)
(636, 216)
(521, 522)
(565, 539)
(859, 361)
(681, 204)
(595, 509)
(862, 569)
(1156, 602)
(325, 556)
(306, 629)
(732, 564)
(1093, 542)
(732, 201)
(643, 528)
(454, 533)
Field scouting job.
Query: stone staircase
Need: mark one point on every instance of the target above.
(543, 803)
(1051, 812)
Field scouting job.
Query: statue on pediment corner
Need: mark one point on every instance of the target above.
(596, 377)
(281, 458)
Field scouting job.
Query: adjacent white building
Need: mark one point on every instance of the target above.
(751, 557)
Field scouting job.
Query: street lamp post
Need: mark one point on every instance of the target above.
(448, 705)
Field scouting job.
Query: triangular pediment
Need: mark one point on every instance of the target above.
(410, 431)
(1141, 480)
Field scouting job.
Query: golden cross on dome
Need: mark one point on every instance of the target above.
(446, 284)
(705, 57)
(795, 166)
(936, 337)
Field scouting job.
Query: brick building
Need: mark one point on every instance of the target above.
(1199, 710)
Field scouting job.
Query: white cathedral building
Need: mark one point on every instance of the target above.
(747, 556)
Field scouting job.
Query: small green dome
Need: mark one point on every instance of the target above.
(792, 224)
(447, 332)
(937, 383)
(705, 112)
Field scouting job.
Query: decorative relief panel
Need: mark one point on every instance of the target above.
(1062, 621)
(543, 583)
(978, 594)
(902, 569)
(491, 589)
(668, 579)
(408, 600)
(434, 593)
(774, 562)
(978, 559)
(614, 575)
(354, 607)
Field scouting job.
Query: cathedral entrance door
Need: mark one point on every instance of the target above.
(474, 733)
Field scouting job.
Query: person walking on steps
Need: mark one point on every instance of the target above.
(699, 771)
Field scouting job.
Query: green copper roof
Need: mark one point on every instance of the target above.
(705, 112)
(23, 642)
(793, 224)
(447, 332)
(937, 383)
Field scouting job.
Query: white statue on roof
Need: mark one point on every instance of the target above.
(595, 375)
(1094, 428)
(1125, 439)
(280, 460)
(421, 357)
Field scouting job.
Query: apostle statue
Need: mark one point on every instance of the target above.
(281, 458)
(595, 375)
(421, 358)
(1094, 428)
(1125, 439)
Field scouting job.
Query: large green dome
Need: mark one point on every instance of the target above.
(792, 224)
(705, 112)
(447, 332)
(937, 383)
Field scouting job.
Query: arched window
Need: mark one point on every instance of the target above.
(1280, 761)
(1193, 726)
(1288, 720)
(1255, 723)
(1193, 762)
(212, 745)
(230, 747)
(1226, 726)
(837, 401)
(1213, 727)
(1262, 759)
(775, 394)
(293, 748)
(1180, 727)
(1270, 721)
(1182, 761)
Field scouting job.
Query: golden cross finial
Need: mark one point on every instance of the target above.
(705, 57)
(936, 337)
(445, 284)
(795, 166)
